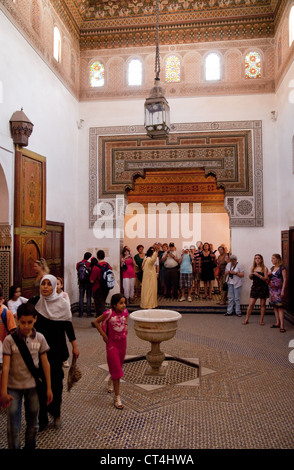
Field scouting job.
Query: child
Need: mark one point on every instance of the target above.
(18, 381)
(7, 325)
(115, 338)
(59, 289)
(15, 299)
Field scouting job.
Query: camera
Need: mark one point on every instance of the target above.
(231, 276)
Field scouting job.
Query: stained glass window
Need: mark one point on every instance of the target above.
(57, 45)
(135, 72)
(172, 69)
(253, 65)
(212, 67)
(97, 74)
(291, 26)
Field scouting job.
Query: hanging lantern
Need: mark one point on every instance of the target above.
(156, 108)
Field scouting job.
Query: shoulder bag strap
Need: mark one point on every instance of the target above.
(26, 355)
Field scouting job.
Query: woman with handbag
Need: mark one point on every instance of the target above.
(54, 321)
(277, 285)
(259, 288)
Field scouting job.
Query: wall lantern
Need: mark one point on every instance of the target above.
(21, 128)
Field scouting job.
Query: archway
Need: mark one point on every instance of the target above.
(183, 207)
(5, 234)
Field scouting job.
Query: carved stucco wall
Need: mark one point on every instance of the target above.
(5, 257)
(231, 151)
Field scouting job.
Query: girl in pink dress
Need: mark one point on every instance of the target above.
(114, 329)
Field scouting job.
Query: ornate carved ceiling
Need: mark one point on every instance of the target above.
(103, 23)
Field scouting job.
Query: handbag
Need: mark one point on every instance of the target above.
(74, 374)
(27, 357)
(225, 286)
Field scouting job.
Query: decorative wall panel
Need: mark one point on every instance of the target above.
(5, 257)
(231, 151)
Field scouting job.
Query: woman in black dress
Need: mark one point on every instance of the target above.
(259, 289)
(207, 269)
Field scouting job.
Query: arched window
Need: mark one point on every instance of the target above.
(172, 69)
(135, 72)
(213, 67)
(291, 26)
(253, 65)
(57, 45)
(97, 74)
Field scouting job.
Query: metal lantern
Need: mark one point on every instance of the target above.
(157, 113)
(157, 120)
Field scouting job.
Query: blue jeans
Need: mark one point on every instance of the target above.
(234, 294)
(31, 404)
(85, 289)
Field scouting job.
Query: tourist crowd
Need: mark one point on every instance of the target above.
(35, 332)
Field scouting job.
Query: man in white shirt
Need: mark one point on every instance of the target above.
(234, 275)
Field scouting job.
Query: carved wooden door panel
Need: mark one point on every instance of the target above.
(29, 216)
(54, 248)
(288, 260)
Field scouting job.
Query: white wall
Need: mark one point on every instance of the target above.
(284, 156)
(244, 242)
(27, 82)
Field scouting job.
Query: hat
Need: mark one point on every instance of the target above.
(192, 247)
(186, 247)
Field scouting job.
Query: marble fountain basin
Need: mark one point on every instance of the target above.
(155, 326)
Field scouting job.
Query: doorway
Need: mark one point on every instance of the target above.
(181, 207)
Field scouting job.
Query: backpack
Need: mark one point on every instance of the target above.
(4, 317)
(83, 272)
(108, 279)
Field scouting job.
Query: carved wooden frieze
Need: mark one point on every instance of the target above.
(230, 151)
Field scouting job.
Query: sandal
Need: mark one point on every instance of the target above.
(110, 385)
(245, 322)
(282, 330)
(261, 323)
(117, 402)
(275, 326)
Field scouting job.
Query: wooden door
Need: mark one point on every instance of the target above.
(29, 216)
(288, 259)
(54, 248)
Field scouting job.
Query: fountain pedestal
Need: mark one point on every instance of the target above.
(155, 326)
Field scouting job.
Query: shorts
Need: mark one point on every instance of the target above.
(186, 280)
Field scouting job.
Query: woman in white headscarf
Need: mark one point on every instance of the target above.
(54, 321)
